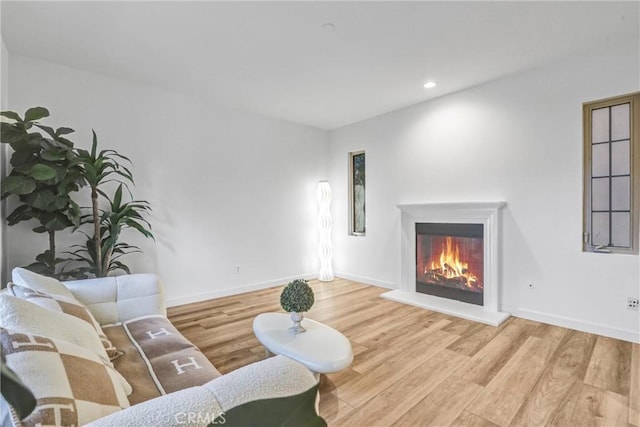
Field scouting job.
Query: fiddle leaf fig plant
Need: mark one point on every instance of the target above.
(297, 297)
(44, 175)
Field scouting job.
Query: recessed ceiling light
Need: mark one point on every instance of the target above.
(429, 85)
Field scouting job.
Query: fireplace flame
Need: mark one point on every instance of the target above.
(450, 266)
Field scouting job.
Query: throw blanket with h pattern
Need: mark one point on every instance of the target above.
(171, 361)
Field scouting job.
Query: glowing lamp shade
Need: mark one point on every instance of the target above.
(325, 251)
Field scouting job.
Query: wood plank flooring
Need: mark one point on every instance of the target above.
(414, 367)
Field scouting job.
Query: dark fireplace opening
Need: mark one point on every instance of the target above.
(450, 261)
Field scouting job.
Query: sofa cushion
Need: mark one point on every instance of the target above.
(21, 315)
(120, 298)
(157, 359)
(38, 282)
(71, 384)
(65, 305)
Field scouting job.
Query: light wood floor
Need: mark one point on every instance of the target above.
(413, 367)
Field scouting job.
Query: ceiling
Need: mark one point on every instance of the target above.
(278, 59)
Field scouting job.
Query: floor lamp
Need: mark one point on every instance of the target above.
(325, 251)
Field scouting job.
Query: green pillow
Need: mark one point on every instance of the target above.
(291, 411)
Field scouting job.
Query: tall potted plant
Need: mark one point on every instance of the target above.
(44, 175)
(102, 250)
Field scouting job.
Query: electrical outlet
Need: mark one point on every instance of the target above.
(237, 269)
(632, 303)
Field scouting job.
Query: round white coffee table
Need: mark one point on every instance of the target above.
(322, 349)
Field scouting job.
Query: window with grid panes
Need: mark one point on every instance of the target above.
(611, 174)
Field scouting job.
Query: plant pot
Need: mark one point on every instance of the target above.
(297, 327)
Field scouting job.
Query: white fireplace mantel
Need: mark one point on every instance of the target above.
(486, 213)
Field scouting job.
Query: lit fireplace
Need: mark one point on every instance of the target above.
(449, 252)
(449, 261)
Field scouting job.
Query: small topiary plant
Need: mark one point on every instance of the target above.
(297, 297)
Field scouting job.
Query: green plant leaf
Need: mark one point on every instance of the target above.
(94, 144)
(91, 175)
(11, 115)
(42, 172)
(140, 228)
(23, 169)
(47, 129)
(21, 213)
(35, 113)
(58, 222)
(10, 133)
(31, 142)
(22, 157)
(60, 203)
(83, 154)
(117, 265)
(64, 131)
(61, 173)
(18, 185)
(40, 268)
(64, 142)
(74, 212)
(114, 153)
(53, 154)
(43, 200)
(117, 198)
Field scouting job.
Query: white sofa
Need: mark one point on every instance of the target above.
(251, 395)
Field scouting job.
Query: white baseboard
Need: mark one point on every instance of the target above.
(367, 280)
(580, 325)
(219, 293)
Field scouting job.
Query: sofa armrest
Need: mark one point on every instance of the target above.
(276, 377)
(270, 378)
(120, 298)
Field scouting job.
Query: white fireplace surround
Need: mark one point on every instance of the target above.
(486, 213)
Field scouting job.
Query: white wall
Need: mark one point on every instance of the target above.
(519, 140)
(228, 188)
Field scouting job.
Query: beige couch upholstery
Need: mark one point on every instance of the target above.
(122, 300)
